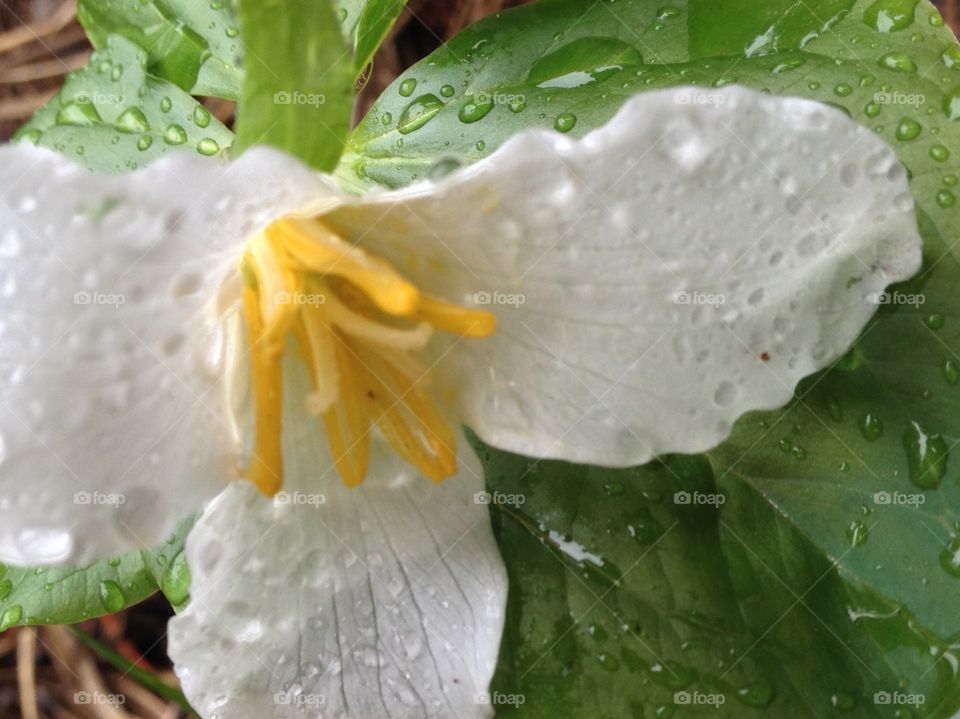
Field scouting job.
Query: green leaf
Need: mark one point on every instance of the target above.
(112, 115)
(195, 45)
(298, 87)
(64, 595)
(366, 24)
(626, 602)
(835, 592)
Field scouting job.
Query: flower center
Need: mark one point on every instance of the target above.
(357, 324)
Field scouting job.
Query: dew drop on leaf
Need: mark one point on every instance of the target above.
(407, 87)
(758, 694)
(419, 112)
(475, 108)
(111, 596)
(897, 62)
(871, 427)
(10, 617)
(857, 533)
(165, 104)
(950, 558)
(174, 135)
(564, 122)
(890, 15)
(175, 581)
(908, 129)
(132, 120)
(951, 371)
(939, 153)
(926, 456)
(208, 146)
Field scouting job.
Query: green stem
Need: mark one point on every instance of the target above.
(141, 676)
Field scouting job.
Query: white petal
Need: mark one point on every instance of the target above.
(112, 415)
(382, 601)
(605, 260)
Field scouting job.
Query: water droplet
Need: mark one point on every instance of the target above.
(872, 109)
(232, 32)
(407, 87)
(934, 321)
(835, 410)
(939, 153)
(174, 135)
(342, 14)
(951, 371)
(945, 198)
(10, 617)
(897, 62)
(667, 12)
(201, 117)
(166, 104)
(419, 112)
(890, 15)
(870, 427)
(908, 129)
(481, 145)
(447, 91)
(757, 694)
(79, 114)
(857, 533)
(926, 456)
(951, 104)
(111, 596)
(787, 65)
(583, 61)
(175, 581)
(842, 90)
(564, 122)
(516, 104)
(144, 142)
(950, 557)
(208, 146)
(799, 453)
(475, 108)
(132, 120)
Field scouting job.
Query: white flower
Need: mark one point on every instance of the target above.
(602, 301)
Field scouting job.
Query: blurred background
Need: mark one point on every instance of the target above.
(46, 672)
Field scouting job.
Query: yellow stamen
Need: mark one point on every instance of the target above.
(321, 251)
(459, 320)
(266, 464)
(356, 331)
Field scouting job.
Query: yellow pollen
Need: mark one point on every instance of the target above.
(357, 324)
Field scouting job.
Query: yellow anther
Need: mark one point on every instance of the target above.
(321, 251)
(456, 319)
(266, 464)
